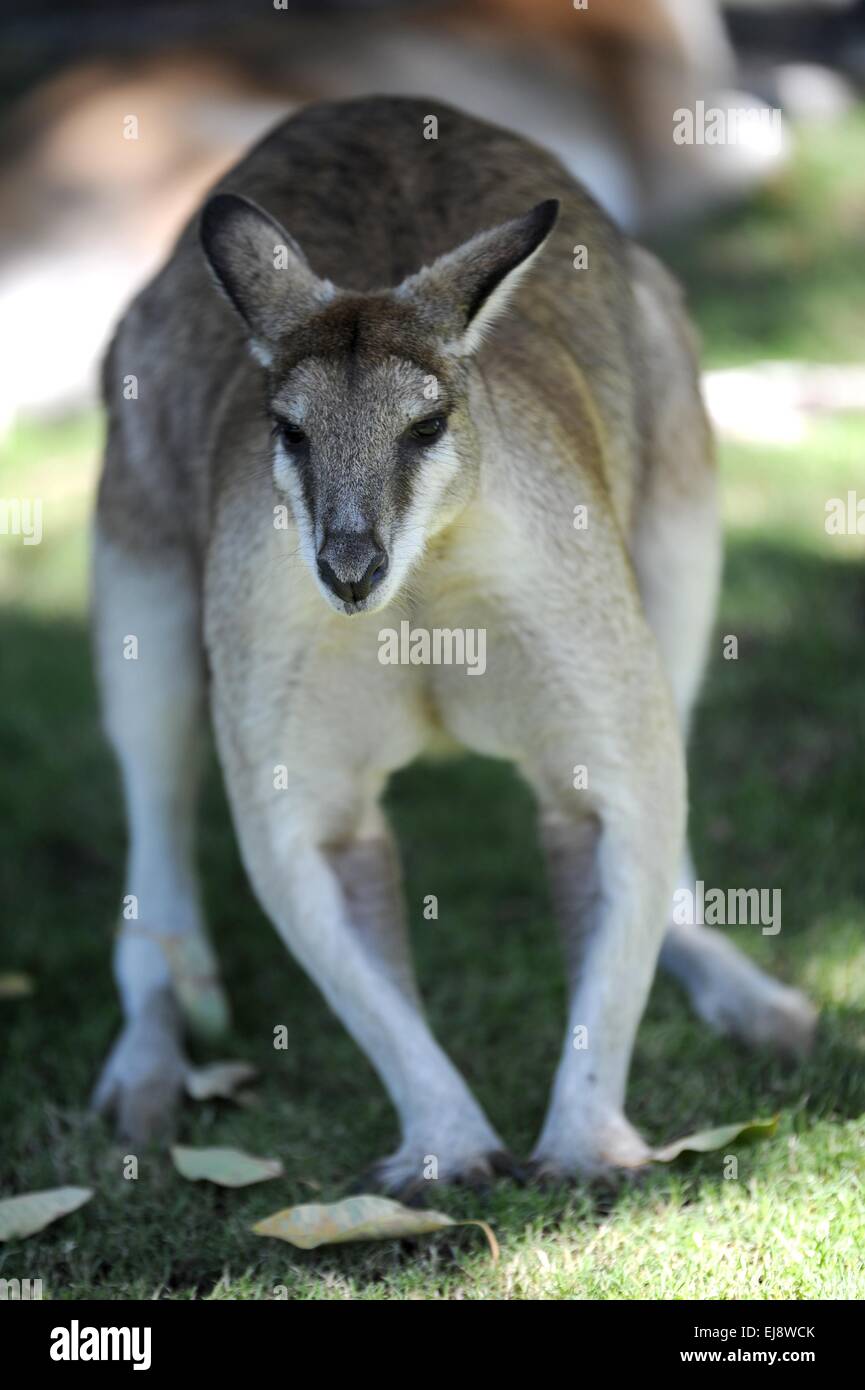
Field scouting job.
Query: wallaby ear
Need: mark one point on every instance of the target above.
(465, 291)
(260, 268)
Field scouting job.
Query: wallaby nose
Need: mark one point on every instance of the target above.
(351, 564)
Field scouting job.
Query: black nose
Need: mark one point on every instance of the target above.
(351, 564)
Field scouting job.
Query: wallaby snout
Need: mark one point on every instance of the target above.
(351, 564)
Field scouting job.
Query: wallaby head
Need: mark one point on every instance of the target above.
(368, 392)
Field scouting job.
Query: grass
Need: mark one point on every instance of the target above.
(777, 776)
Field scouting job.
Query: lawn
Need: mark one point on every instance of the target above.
(777, 793)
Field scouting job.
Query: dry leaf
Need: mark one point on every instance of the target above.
(219, 1080)
(25, 1215)
(358, 1218)
(227, 1167)
(708, 1140)
(15, 985)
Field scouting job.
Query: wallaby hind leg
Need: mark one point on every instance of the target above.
(732, 994)
(677, 557)
(150, 668)
(677, 562)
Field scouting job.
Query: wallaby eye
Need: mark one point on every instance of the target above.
(424, 431)
(291, 433)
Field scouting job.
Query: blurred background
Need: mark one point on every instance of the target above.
(114, 119)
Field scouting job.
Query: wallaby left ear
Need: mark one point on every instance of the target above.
(465, 291)
(260, 268)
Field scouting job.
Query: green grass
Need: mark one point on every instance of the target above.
(777, 777)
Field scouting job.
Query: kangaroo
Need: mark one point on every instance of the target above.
(378, 381)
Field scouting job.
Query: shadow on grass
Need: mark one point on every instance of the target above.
(777, 802)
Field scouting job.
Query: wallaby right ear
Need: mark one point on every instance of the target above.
(463, 292)
(261, 270)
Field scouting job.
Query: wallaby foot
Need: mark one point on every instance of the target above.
(736, 998)
(599, 1149)
(142, 1080)
(414, 1177)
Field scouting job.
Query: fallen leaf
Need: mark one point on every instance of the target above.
(15, 986)
(218, 1080)
(708, 1140)
(25, 1215)
(358, 1218)
(227, 1167)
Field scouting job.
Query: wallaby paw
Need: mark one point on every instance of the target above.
(761, 1013)
(414, 1173)
(142, 1081)
(609, 1153)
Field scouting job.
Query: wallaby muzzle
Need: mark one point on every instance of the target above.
(351, 564)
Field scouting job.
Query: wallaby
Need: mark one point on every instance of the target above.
(435, 385)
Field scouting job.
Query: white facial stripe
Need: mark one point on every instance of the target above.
(438, 467)
(285, 475)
